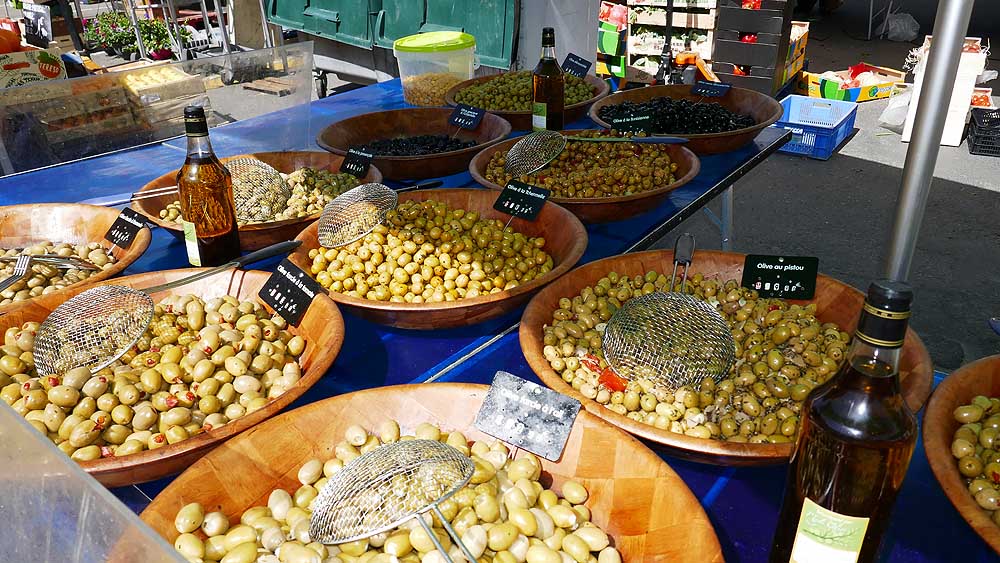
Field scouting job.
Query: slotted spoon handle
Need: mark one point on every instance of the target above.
(995, 324)
(683, 254)
(257, 256)
(423, 186)
(640, 140)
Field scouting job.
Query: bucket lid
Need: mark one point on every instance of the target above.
(434, 42)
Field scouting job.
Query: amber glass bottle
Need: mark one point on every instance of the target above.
(206, 195)
(854, 446)
(547, 87)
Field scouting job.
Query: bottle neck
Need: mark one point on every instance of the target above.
(873, 359)
(199, 145)
(549, 52)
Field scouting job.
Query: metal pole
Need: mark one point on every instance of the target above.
(928, 126)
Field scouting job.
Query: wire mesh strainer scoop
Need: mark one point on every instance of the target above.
(671, 339)
(259, 191)
(533, 152)
(355, 213)
(389, 485)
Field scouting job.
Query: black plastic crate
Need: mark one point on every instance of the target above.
(984, 132)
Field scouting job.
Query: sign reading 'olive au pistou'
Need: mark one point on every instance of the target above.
(787, 277)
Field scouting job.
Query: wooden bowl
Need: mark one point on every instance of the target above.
(981, 377)
(322, 326)
(77, 223)
(258, 235)
(521, 120)
(363, 129)
(602, 209)
(835, 301)
(647, 510)
(565, 241)
(764, 109)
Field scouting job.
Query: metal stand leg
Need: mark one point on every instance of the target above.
(727, 219)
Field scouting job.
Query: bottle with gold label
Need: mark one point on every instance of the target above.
(855, 442)
(211, 233)
(547, 87)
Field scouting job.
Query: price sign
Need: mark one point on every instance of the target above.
(576, 65)
(710, 89)
(641, 121)
(527, 415)
(356, 162)
(37, 24)
(787, 277)
(125, 228)
(521, 200)
(466, 117)
(289, 291)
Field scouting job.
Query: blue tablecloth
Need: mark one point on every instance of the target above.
(741, 502)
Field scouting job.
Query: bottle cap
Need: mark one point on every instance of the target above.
(195, 112)
(195, 124)
(890, 295)
(548, 37)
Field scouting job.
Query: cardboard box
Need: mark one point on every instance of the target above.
(811, 84)
(147, 87)
(26, 67)
(797, 47)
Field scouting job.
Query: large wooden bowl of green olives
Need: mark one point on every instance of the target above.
(314, 177)
(509, 96)
(598, 181)
(961, 426)
(750, 417)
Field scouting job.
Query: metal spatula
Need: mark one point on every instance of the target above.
(672, 339)
(97, 326)
(391, 484)
(355, 213)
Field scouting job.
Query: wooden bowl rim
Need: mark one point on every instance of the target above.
(576, 251)
(125, 257)
(531, 347)
(479, 161)
(375, 173)
(505, 129)
(599, 87)
(776, 114)
(937, 447)
(335, 325)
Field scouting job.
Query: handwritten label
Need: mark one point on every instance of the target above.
(289, 291)
(466, 117)
(521, 200)
(125, 228)
(641, 121)
(576, 65)
(710, 89)
(787, 277)
(527, 415)
(356, 162)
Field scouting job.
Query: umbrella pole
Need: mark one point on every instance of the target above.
(950, 27)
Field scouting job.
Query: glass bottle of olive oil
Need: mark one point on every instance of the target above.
(547, 87)
(855, 442)
(206, 196)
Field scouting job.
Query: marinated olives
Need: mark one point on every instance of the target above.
(417, 145)
(46, 278)
(977, 451)
(512, 92)
(680, 116)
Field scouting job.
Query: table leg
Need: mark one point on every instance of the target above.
(727, 219)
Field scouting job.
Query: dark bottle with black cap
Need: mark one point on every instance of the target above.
(208, 212)
(548, 87)
(855, 442)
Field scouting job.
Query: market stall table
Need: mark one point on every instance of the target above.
(742, 502)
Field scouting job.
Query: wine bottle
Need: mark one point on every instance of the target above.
(855, 442)
(547, 87)
(211, 233)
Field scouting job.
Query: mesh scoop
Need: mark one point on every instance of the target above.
(92, 329)
(354, 213)
(671, 339)
(259, 191)
(387, 486)
(533, 152)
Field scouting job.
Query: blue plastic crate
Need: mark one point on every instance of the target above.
(818, 125)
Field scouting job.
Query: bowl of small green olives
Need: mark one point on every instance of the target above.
(314, 177)
(961, 429)
(750, 417)
(509, 96)
(214, 362)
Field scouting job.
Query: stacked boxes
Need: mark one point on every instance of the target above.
(693, 25)
(753, 47)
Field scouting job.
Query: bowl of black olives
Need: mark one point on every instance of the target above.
(712, 125)
(413, 143)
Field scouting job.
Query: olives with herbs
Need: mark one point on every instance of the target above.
(976, 448)
(679, 116)
(512, 92)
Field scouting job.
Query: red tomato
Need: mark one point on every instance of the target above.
(612, 380)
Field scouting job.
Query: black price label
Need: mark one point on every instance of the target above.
(576, 65)
(787, 277)
(527, 415)
(710, 89)
(521, 200)
(640, 121)
(289, 291)
(125, 228)
(356, 162)
(466, 117)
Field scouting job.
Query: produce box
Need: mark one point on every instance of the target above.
(819, 86)
(797, 40)
(99, 123)
(32, 65)
(149, 86)
(166, 110)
